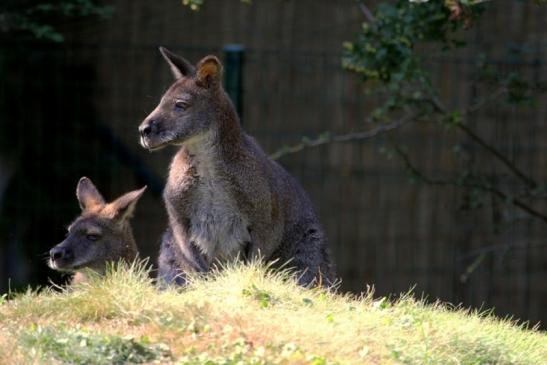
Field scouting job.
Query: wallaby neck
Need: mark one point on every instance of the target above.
(223, 141)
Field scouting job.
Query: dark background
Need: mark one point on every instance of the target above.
(72, 109)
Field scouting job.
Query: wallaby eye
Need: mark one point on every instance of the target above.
(93, 237)
(181, 104)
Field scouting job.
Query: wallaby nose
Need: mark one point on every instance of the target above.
(58, 253)
(147, 128)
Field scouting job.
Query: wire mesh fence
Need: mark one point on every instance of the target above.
(73, 110)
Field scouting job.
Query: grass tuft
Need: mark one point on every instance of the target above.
(248, 314)
(76, 346)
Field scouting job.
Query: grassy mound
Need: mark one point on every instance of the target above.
(247, 315)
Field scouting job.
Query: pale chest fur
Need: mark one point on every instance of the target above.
(215, 224)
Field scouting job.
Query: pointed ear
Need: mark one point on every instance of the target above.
(123, 207)
(179, 66)
(209, 72)
(88, 195)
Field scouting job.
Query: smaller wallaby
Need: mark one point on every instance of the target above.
(101, 234)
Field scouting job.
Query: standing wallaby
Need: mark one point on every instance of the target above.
(101, 234)
(224, 196)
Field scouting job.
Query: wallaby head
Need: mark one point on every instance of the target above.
(190, 107)
(101, 233)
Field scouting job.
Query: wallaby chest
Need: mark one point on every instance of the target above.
(198, 194)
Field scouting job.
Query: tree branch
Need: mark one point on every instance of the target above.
(439, 107)
(531, 184)
(366, 12)
(498, 247)
(482, 103)
(327, 138)
(486, 188)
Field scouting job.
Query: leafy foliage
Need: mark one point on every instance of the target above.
(385, 52)
(196, 4)
(388, 55)
(193, 4)
(39, 18)
(385, 49)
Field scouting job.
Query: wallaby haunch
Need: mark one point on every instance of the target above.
(101, 234)
(224, 196)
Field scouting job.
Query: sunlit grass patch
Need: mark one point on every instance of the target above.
(77, 346)
(249, 314)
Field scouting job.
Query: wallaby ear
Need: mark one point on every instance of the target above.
(209, 72)
(88, 195)
(123, 207)
(179, 66)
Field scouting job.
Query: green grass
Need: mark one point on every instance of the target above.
(248, 315)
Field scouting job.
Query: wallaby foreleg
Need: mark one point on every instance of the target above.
(175, 262)
(312, 260)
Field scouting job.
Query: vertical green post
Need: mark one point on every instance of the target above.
(234, 56)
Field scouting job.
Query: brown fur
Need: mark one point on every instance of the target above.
(101, 234)
(224, 196)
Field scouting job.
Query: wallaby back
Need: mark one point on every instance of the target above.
(224, 196)
(101, 234)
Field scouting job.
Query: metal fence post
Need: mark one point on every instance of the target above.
(233, 75)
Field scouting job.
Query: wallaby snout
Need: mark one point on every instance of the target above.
(149, 131)
(148, 127)
(60, 256)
